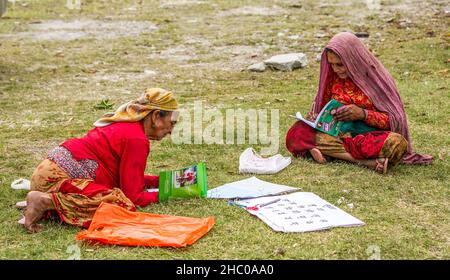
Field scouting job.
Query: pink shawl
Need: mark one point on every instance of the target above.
(374, 80)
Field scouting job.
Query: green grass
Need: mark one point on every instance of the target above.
(48, 94)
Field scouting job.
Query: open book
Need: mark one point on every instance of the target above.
(325, 122)
(188, 182)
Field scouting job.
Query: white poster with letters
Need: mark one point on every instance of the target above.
(298, 212)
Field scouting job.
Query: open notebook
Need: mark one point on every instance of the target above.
(298, 212)
(249, 188)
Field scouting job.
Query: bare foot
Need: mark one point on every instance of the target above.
(317, 156)
(37, 204)
(381, 165)
(21, 204)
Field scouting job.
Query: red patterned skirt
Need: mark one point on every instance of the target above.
(75, 200)
(376, 144)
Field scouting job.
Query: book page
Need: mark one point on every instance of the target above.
(247, 188)
(313, 124)
(299, 116)
(299, 212)
(326, 122)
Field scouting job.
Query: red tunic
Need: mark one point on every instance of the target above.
(120, 151)
(346, 92)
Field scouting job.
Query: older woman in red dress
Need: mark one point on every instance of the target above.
(105, 165)
(350, 74)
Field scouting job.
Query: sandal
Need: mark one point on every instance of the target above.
(382, 166)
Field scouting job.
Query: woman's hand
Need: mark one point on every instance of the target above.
(311, 116)
(350, 113)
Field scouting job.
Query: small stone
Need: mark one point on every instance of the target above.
(390, 20)
(287, 62)
(350, 205)
(149, 72)
(59, 54)
(320, 35)
(293, 37)
(430, 33)
(447, 12)
(257, 67)
(89, 70)
(405, 24)
(362, 34)
(319, 57)
(280, 251)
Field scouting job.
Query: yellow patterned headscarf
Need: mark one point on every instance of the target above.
(136, 110)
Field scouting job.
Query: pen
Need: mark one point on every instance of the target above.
(270, 202)
(256, 207)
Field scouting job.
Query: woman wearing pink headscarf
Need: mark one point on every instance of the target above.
(353, 76)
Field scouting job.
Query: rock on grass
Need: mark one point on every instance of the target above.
(287, 62)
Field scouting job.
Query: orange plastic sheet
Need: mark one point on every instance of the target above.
(113, 224)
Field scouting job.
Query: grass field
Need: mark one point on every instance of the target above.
(57, 63)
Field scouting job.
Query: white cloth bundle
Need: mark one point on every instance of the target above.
(21, 184)
(251, 162)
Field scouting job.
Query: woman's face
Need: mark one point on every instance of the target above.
(336, 64)
(157, 127)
